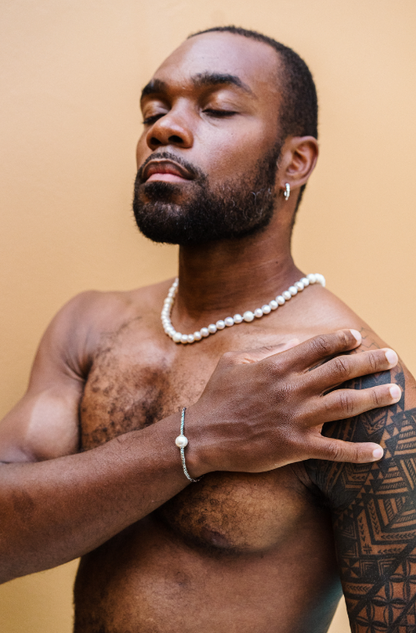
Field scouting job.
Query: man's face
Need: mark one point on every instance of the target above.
(208, 155)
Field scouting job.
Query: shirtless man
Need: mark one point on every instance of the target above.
(90, 463)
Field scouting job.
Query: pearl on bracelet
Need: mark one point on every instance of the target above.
(222, 324)
(181, 441)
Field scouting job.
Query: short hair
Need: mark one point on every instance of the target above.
(298, 113)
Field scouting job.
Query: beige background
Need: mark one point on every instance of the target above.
(71, 73)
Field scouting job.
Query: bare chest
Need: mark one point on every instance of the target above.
(132, 386)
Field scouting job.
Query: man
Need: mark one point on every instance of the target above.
(91, 467)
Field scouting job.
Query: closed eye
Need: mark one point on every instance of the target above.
(219, 113)
(152, 119)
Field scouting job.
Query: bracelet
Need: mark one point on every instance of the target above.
(181, 442)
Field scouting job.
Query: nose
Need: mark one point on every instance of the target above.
(171, 129)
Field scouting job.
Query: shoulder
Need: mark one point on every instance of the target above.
(326, 313)
(76, 330)
(393, 427)
(373, 506)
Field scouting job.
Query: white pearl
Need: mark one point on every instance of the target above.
(248, 316)
(181, 441)
(320, 279)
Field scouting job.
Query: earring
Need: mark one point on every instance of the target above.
(286, 192)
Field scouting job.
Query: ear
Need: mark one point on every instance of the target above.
(297, 161)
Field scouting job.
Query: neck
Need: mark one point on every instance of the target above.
(221, 278)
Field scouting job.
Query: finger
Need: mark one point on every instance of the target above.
(340, 451)
(319, 348)
(343, 368)
(347, 403)
(260, 353)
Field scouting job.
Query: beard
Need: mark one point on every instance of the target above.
(195, 213)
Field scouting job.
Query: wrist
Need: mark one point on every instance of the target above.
(182, 442)
(196, 463)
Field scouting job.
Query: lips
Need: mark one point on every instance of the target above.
(166, 171)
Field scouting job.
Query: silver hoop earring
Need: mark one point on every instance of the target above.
(286, 192)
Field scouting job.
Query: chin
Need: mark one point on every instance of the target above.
(158, 191)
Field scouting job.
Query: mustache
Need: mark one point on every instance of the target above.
(194, 171)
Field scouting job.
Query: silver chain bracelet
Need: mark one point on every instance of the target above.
(181, 442)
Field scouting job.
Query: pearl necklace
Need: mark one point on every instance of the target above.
(248, 316)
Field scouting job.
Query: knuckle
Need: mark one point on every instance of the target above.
(335, 451)
(373, 362)
(321, 345)
(275, 367)
(282, 392)
(377, 397)
(341, 367)
(346, 402)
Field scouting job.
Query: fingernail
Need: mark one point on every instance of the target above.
(395, 392)
(391, 357)
(378, 453)
(356, 335)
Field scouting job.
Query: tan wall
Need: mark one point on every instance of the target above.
(71, 73)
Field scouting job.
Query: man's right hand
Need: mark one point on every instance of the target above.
(262, 410)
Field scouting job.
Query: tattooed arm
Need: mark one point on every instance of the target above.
(373, 508)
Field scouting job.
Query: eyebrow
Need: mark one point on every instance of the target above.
(201, 80)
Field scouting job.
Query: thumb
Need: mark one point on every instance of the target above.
(260, 353)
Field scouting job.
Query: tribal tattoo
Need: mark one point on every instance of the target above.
(374, 511)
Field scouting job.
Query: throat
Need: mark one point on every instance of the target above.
(229, 321)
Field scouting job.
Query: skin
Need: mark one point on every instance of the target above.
(90, 465)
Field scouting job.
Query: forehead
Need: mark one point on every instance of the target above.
(255, 63)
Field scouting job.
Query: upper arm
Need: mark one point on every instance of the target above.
(44, 423)
(373, 509)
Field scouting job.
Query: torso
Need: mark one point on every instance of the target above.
(234, 552)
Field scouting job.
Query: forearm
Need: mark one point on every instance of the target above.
(54, 511)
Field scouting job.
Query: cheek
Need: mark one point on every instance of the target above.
(234, 154)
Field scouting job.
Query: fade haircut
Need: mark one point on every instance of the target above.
(298, 112)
